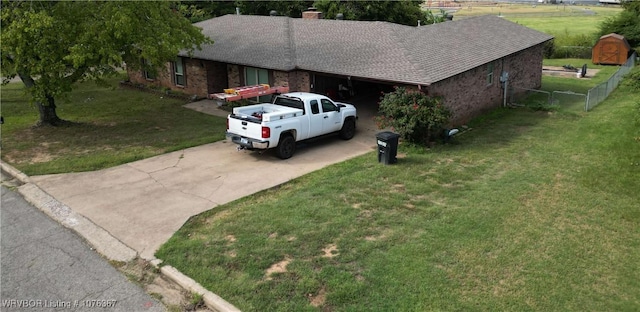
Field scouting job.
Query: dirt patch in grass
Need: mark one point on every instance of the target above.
(371, 238)
(399, 188)
(330, 251)
(319, 299)
(279, 267)
(218, 216)
(230, 238)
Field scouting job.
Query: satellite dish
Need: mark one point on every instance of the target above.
(583, 72)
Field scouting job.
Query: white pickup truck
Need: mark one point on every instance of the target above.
(291, 117)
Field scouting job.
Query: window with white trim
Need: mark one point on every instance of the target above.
(178, 72)
(490, 73)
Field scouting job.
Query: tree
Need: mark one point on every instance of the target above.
(197, 11)
(626, 23)
(406, 12)
(293, 8)
(52, 45)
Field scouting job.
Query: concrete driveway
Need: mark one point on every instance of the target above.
(144, 203)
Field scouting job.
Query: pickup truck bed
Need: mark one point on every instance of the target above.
(266, 112)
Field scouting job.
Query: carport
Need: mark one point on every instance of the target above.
(363, 93)
(356, 87)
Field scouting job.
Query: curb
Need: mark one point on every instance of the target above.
(15, 172)
(107, 245)
(211, 300)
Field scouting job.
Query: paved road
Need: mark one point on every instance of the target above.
(46, 267)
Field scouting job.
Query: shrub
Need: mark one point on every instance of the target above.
(632, 80)
(569, 46)
(417, 117)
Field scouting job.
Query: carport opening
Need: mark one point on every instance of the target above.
(364, 94)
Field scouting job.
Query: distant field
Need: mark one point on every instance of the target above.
(551, 19)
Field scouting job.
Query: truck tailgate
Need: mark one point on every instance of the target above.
(245, 127)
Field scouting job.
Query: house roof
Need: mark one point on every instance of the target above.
(375, 50)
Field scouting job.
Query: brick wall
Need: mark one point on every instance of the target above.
(195, 74)
(195, 78)
(312, 15)
(233, 76)
(469, 94)
(299, 81)
(280, 78)
(162, 79)
(525, 68)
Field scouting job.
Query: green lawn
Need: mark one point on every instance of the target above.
(527, 211)
(561, 21)
(110, 127)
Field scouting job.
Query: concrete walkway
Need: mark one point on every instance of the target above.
(144, 202)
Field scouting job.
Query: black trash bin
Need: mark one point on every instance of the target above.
(387, 147)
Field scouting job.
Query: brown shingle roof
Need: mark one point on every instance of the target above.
(375, 50)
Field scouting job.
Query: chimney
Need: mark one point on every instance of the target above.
(312, 13)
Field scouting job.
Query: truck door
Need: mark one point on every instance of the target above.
(332, 119)
(316, 119)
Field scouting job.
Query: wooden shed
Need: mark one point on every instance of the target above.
(611, 49)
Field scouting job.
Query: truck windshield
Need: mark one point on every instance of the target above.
(290, 102)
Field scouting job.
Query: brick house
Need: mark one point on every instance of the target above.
(463, 61)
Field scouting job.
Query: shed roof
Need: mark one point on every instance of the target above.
(375, 50)
(620, 38)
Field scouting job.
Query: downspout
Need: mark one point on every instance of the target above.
(505, 83)
(506, 86)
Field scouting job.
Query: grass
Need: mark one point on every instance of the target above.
(109, 127)
(557, 20)
(528, 211)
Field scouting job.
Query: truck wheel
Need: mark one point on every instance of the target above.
(286, 147)
(348, 129)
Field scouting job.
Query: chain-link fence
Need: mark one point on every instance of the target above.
(569, 100)
(523, 96)
(600, 92)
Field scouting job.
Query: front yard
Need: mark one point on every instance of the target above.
(108, 127)
(528, 211)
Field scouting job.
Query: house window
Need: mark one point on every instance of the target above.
(255, 76)
(490, 73)
(149, 75)
(178, 72)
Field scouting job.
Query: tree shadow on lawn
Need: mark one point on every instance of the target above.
(69, 139)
